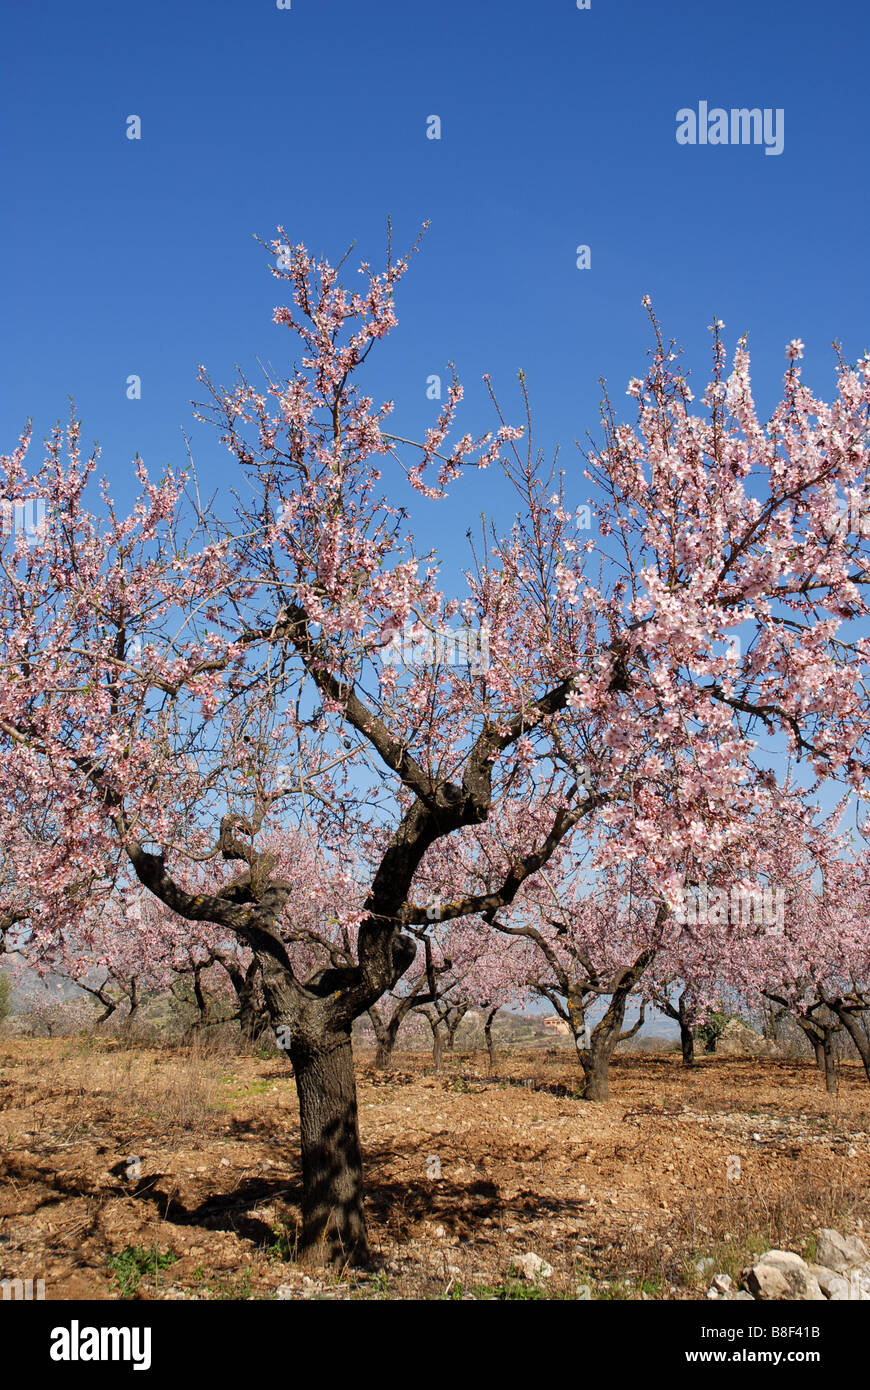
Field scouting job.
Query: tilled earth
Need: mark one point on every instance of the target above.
(159, 1173)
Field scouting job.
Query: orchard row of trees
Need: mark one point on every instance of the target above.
(589, 949)
(208, 761)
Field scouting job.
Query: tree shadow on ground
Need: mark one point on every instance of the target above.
(394, 1205)
(221, 1211)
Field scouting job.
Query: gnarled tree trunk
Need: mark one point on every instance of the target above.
(824, 1049)
(452, 1023)
(849, 1015)
(384, 1053)
(821, 1038)
(596, 1049)
(386, 1036)
(596, 1072)
(682, 1013)
(333, 1219)
(819, 1031)
(487, 1033)
(437, 1047)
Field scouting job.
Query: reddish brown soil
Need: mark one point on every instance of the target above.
(721, 1160)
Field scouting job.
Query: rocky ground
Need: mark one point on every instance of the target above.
(164, 1173)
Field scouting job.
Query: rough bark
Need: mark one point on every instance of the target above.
(849, 1014)
(386, 1031)
(596, 1072)
(253, 1018)
(386, 1036)
(452, 1023)
(596, 1050)
(333, 1218)
(825, 1059)
(252, 904)
(384, 1054)
(487, 1034)
(682, 1014)
(821, 1036)
(437, 1048)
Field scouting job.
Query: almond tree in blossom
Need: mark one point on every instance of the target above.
(596, 947)
(817, 970)
(810, 958)
(478, 972)
(492, 972)
(183, 681)
(596, 933)
(421, 985)
(673, 997)
(846, 925)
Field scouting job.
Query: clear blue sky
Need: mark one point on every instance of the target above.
(559, 128)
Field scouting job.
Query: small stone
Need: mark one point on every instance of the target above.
(763, 1281)
(833, 1286)
(837, 1252)
(822, 1274)
(531, 1266)
(722, 1283)
(439, 1232)
(782, 1274)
